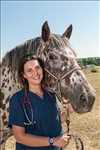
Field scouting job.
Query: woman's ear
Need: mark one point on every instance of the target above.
(24, 76)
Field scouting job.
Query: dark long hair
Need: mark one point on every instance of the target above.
(26, 99)
(24, 59)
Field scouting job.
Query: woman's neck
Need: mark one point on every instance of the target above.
(37, 89)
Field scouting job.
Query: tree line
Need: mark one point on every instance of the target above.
(89, 61)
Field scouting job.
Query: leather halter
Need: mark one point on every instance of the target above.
(58, 89)
(59, 79)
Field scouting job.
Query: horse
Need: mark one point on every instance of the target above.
(63, 74)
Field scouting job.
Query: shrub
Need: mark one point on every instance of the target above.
(94, 69)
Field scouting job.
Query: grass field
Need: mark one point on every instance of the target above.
(87, 126)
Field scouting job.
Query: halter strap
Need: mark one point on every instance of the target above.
(59, 79)
(58, 88)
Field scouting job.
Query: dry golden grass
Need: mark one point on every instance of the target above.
(86, 125)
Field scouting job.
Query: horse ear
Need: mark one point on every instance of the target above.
(45, 32)
(68, 32)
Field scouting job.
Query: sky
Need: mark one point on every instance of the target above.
(22, 20)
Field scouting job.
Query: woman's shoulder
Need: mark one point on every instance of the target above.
(18, 93)
(17, 96)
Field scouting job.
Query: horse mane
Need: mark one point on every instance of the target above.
(12, 58)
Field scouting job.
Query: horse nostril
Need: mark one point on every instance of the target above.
(93, 98)
(83, 98)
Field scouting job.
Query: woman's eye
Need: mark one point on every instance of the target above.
(29, 70)
(38, 67)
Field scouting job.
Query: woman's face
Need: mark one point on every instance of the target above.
(33, 72)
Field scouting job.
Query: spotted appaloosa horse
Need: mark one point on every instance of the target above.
(61, 65)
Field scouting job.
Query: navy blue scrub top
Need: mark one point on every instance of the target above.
(46, 117)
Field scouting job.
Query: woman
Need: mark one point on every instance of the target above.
(34, 116)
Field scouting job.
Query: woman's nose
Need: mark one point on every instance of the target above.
(35, 73)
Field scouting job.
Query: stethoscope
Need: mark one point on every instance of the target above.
(27, 103)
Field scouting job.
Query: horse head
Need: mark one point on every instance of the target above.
(61, 65)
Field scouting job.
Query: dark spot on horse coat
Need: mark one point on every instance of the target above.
(11, 77)
(64, 59)
(73, 79)
(5, 80)
(3, 84)
(7, 99)
(8, 109)
(8, 81)
(67, 80)
(5, 122)
(9, 88)
(8, 71)
(3, 71)
(4, 116)
(77, 73)
(1, 96)
(75, 84)
(1, 99)
(3, 106)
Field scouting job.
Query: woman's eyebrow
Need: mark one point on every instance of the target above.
(30, 67)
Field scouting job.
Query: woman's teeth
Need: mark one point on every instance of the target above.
(36, 78)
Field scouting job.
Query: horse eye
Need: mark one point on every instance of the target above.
(62, 57)
(52, 57)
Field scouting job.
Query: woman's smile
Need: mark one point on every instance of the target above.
(33, 72)
(36, 78)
